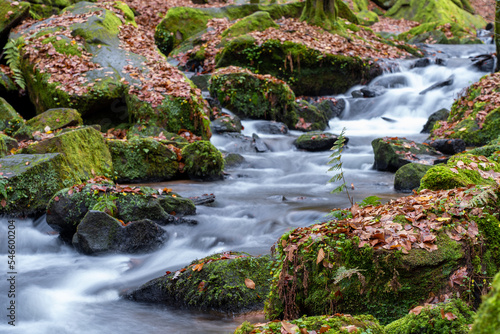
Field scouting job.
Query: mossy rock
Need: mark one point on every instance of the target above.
(85, 152)
(334, 324)
(108, 92)
(6, 144)
(407, 178)
(99, 233)
(450, 317)
(55, 119)
(319, 73)
(226, 123)
(316, 141)
(393, 153)
(142, 160)
(181, 23)
(434, 11)
(491, 152)
(69, 206)
(10, 15)
(254, 96)
(45, 8)
(441, 33)
(461, 170)
(29, 181)
(258, 21)
(226, 282)
(487, 320)
(10, 120)
(472, 118)
(340, 266)
(440, 115)
(367, 17)
(311, 118)
(203, 161)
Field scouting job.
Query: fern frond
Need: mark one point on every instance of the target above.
(13, 59)
(484, 197)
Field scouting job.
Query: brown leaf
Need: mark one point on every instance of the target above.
(3, 203)
(27, 163)
(201, 286)
(56, 198)
(442, 313)
(198, 267)
(249, 283)
(417, 310)
(450, 316)
(321, 256)
(288, 327)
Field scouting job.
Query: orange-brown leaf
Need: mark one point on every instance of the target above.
(249, 283)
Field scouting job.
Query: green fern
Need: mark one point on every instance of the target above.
(107, 204)
(484, 197)
(13, 58)
(337, 166)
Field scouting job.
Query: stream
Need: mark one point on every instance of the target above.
(60, 291)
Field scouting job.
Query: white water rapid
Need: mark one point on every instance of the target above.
(58, 291)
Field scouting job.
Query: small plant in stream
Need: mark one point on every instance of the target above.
(106, 204)
(337, 166)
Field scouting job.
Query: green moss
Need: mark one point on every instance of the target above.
(253, 96)
(85, 152)
(7, 20)
(460, 171)
(127, 12)
(487, 320)
(367, 17)
(438, 32)
(9, 117)
(101, 29)
(431, 320)
(55, 119)
(408, 176)
(334, 324)
(142, 160)
(258, 21)
(219, 285)
(434, 11)
(30, 180)
(63, 45)
(203, 161)
(307, 71)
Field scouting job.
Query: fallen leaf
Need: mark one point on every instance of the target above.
(288, 327)
(416, 310)
(450, 316)
(27, 163)
(3, 203)
(249, 283)
(198, 267)
(321, 256)
(201, 286)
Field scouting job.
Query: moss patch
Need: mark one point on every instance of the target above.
(55, 119)
(203, 161)
(487, 320)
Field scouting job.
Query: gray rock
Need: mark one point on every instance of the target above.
(271, 127)
(259, 144)
(440, 115)
(447, 82)
(408, 176)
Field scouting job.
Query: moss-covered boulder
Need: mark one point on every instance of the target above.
(85, 152)
(258, 21)
(391, 153)
(311, 118)
(318, 74)
(316, 141)
(203, 161)
(367, 17)
(461, 170)
(120, 75)
(440, 115)
(487, 320)
(407, 178)
(255, 96)
(453, 316)
(226, 123)
(334, 324)
(28, 182)
(473, 117)
(99, 233)
(55, 119)
(384, 260)
(69, 206)
(226, 282)
(435, 11)
(143, 160)
(44, 8)
(10, 121)
(180, 23)
(6, 144)
(11, 13)
(440, 33)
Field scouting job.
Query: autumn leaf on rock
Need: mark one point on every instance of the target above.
(201, 286)
(288, 328)
(417, 310)
(3, 203)
(249, 283)
(198, 267)
(321, 256)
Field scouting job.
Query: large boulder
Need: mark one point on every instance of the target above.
(461, 170)
(316, 141)
(6, 144)
(46, 8)
(203, 161)
(12, 123)
(143, 160)
(28, 182)
(13, 12)
(119, 74)
(440, 33)
(338, 323)
(440, 115)
(384, 260)
(85, 152)
(391, 153)
(487, 320)
(226, 282)
(69, 206)
(473, 118)
(99, 233)
(255, 96)
(452, 316)
(407, 178)
(57, 118)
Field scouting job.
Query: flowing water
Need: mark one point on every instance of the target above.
(60, 291)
